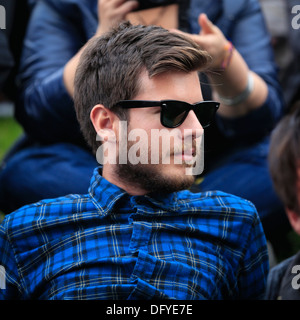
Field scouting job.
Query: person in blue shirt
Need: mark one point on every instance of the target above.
(53, 159)
(138, 233)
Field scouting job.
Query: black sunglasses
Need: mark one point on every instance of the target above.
(174, 112)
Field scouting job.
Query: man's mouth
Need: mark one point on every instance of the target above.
(187, 155)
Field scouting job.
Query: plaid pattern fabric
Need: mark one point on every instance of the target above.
(110, 245)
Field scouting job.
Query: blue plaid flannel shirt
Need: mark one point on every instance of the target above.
(110, 245)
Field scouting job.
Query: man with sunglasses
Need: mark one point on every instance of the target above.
(138, 233)
(236, 143)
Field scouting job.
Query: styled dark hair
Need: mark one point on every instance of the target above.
(284, 159)
(111, 65)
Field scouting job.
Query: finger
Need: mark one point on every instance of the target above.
(123, 5)
(118, 3)
(127, 6)
(206, 25)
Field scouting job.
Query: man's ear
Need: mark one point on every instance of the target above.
(294, 219)
(104, 121)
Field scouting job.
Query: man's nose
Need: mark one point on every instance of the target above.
(192, 124)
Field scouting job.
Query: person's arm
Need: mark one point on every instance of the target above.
(56, 33)
(230, 72)
(251, 39)
(110, 13)
(252, 55)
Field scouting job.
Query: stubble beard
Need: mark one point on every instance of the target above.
(152, 178)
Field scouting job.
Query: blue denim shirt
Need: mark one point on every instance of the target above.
(58, 29)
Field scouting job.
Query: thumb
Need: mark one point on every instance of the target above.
(206, 25)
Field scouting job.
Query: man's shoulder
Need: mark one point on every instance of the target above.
(217, 200)
(45, 210)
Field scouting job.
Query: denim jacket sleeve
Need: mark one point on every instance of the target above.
(56, 31)
(244, 25)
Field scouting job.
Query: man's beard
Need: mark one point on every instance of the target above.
(151, 177)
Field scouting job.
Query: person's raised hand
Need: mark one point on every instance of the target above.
(211, 39)
(113, 12)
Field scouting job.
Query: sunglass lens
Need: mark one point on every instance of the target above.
(205, 113)
(173, 114)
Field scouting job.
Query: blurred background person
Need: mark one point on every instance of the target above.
(284, 159)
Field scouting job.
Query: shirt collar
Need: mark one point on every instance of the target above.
(166, 201)
(106, 195)
(103, 193)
